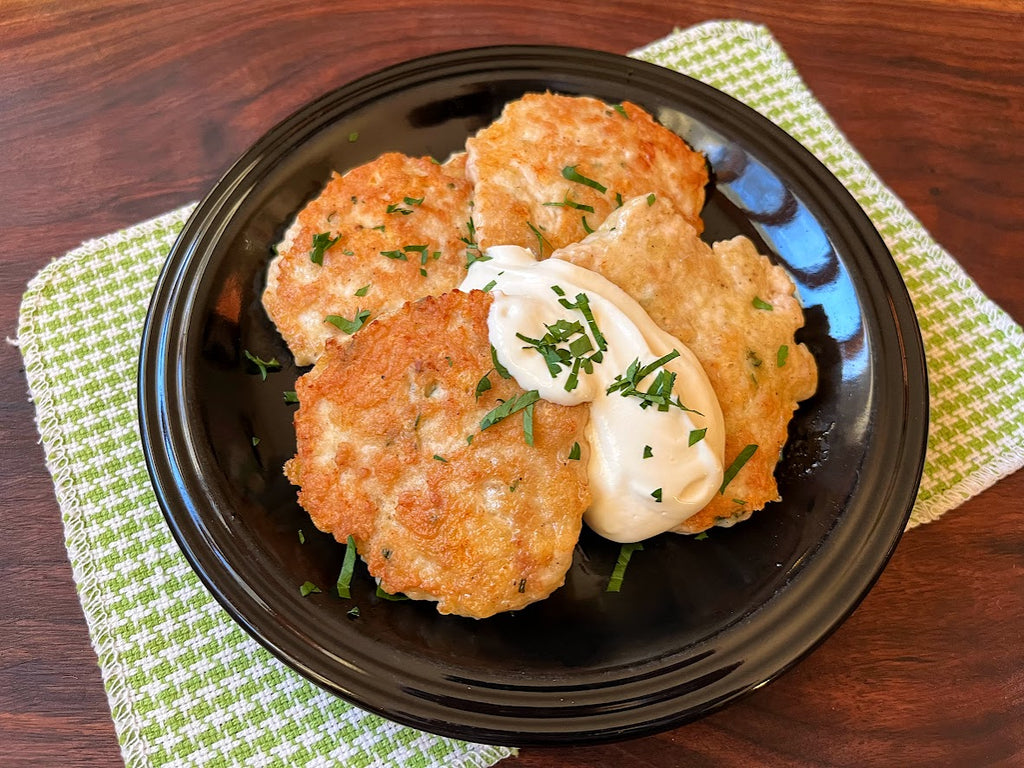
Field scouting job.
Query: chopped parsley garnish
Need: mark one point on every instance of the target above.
(483, 385)
(760, 303)
(569, 203)
(566, 343)
(388, 596)
(473, 252)
(736, 466)
(255, 441)
(322, 241)
(648, 452)
(308, 589)
(354, 136)
(528, 424)
(348, 326)
(363, 291)
(586, 227)
(618, 201)
(621, 110)
(650, 199)
(442, 459)
(290, 396)
(570, 173)
(618, 573)
(396, 255)
(353, 612)
(696, 435)
(781, 356)
(574, 452)
(701, 536)
(541, 240)
(348, 565)
(660, 391)
(397, 208)
(656, 493)
(487, 288)
(302, 537)
(501, 369)
(263, 365)
(507, 408)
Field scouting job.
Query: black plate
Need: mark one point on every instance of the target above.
(698, 623)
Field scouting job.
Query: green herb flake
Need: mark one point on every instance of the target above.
(619, 572)
(781, 356)
(290, 396)
(473, 252)
(586, 227)
(574, 452)
(308, 589)
(483, 385)
(322, 241)
(255, 441)
(696, 435)
(507, 408)
(397, 208)
(363, 291)
(263, 365)
(621, 110)
(650, 199)
(395, 255)
(388, 596)
(487, 288)
(348, 326)
(656, 495)
(648, 452)
(501, 369)
(353, 137)
(541, 240)
(659, 393)
(348, 566)
(760, 303)
(702, 536)
(567, 202)
(442, 459)
(528, 424)
(302, 537)
(736, 466)
(353, 612)
(570, 173)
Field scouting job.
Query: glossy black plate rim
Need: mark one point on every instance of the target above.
(635, 702)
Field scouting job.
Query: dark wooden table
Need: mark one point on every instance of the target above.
(112, 112)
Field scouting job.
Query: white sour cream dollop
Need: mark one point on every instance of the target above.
(637, 454)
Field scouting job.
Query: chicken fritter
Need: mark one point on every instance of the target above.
(553, 167)
(384, 233)
(391, 451)
(737, 313)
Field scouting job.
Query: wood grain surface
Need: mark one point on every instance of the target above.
(113, 112)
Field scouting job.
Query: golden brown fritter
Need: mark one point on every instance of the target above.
(398, 221)
(390, 450)
(737, 313)
(522, 196)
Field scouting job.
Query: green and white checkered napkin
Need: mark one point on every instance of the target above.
(188, 687)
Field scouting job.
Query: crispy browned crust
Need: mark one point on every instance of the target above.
(516, 166)
(705, 297)
(300, 294)
(481, 527)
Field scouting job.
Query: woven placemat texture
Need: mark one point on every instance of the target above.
(187, 686)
